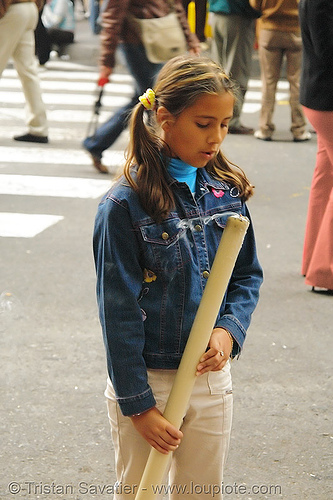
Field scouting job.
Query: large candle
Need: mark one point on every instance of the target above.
(204, 322)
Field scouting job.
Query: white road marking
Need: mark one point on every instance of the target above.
(16, 225)
(55, 156)
(53, 99)
(65, 187)
(256, 96)
(282, 84)
(251, 107)
(60, 85)
(71, 76)
(76, 116)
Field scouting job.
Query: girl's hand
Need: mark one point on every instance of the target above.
(213, 360)
(155, 429)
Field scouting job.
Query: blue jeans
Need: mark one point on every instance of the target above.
(144, 73)
(94, 13)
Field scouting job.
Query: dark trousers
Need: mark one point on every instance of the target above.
(200, 17)
(42, 42)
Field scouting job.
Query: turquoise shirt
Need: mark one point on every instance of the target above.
(183, 172)
(240, 7)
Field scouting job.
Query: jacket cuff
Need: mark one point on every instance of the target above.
(137, 404)
(230, 323)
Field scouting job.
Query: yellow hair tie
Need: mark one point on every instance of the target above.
(148, 99)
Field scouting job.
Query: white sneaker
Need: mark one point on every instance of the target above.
(259, 135)
(306, 136)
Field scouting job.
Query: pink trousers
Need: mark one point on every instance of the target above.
(317, 265)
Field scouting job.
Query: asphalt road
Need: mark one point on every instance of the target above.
(55, 432)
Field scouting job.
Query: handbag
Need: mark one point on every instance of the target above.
(162, 37)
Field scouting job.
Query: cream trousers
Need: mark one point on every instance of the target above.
(196, 468)
(273, 46)
(17, 41)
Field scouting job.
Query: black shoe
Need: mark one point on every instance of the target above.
(325, 291)
(242, 130)
(42, 139)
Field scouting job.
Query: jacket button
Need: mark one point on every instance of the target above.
(198, 227)
(205, 274)
(165, 236)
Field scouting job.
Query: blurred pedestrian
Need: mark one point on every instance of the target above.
(17, 25)
(58, 19)
(200, 20)
(120, 30)
(279, 38)
(233, 26)
(316, 19)
(42, 41)
(94, 16)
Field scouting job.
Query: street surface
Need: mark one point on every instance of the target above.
(55, 431)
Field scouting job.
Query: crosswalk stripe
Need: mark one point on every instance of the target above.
(252, 95)
(65, 187)
(255, 83)
(71, 76)
(62, 85)
(68, 99)
(18, 225)
(57, 115)
(251, 107)
(55, 156)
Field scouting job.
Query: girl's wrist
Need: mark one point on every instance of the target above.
(231, 340)
(139, 414)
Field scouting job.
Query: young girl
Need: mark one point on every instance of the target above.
(156, 234)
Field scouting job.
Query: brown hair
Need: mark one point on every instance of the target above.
(180, 82)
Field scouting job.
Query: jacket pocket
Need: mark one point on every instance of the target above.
(165, 245)
(165, 234)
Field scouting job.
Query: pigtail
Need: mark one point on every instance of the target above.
(144, 156)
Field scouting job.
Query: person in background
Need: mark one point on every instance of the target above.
(279, 37)
(94, 16)
(120, 30)
(17, 41)
(42, 41)
(316, 96)
(233, 36)
(58, 19)
(156, 235)
(200, 20)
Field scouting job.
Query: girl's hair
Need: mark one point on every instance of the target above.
(180, 82)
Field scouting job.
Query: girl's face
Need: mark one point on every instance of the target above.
(196, 134)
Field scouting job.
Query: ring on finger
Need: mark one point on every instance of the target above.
(222, 354)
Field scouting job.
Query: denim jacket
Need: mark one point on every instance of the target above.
(150, 280)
